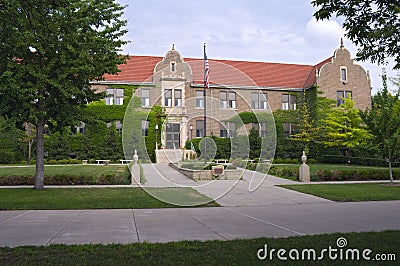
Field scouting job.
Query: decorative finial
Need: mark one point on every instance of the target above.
(173, 46)
(341, 43)
(304, 157)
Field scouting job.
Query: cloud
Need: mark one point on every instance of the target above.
(323, 32)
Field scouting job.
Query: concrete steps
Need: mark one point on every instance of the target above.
(168, 155)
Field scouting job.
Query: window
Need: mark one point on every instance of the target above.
(145, 97)
(115, 96)
(288, 102)
(227, 129)
(223, 98)
(118, 126)
(227, 99)
(178, 97)
(145, 128)
(342, 95)
(289, 129)
(343, 74)
(168, 97)
(259, 100)
(81, 128)
(199, 128)
(110, 97)
(263, 129)
(173, 67)
(199, 99)
(232, 99)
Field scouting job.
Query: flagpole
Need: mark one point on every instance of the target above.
(205, 106)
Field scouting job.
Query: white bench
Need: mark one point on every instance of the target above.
(125, 161)
(221, 161)
(103, 162)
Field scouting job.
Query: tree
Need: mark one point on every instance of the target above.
(371, 25)
(344, 128)
(383, 121)
(50, 51)
(10, 139)
(307, 129)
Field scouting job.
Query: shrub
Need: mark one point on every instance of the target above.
(353, 175)
(284, 172)
(110, 179)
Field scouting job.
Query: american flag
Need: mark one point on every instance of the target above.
(206, 71)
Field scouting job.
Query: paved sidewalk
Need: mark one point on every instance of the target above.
(231, 192)
(269, 211)
(18, 228)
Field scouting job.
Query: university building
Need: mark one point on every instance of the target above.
(176, 84)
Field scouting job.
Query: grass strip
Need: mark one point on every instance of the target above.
(350, 192)
(234, 252)
(97, 198)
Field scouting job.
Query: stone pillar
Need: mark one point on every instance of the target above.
(135, 170)
(304, 169)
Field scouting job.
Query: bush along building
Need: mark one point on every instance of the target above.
(161, 99)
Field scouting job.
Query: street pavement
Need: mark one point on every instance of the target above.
(269, 211)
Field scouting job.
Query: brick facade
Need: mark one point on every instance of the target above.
(181, 78)
(357, 81)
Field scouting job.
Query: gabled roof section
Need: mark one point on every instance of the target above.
(136, 70)
(140, 69)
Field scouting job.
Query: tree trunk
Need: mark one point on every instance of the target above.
(39, 178)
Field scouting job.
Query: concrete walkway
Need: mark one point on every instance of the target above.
(18, 228)
(231, 192)
(269, 211)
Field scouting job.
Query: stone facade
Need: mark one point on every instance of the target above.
(357, 80)
(175, 84)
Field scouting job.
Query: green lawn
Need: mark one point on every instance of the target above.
(350, 192)
(96, 198)
(70, 169)
(235, 252)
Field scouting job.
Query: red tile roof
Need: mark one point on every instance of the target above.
(225, 72)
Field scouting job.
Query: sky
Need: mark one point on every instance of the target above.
(282, 31)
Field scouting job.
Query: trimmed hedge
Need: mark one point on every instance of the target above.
(337, 175)
(353, 175)
(109, 179)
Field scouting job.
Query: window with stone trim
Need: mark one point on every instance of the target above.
(259, 100)
(145, 97)
(178, 97)
(343, 74)
(289, 129)
(168, 98)
(199, 99)
(114, 96)
(145, 128)
(118, 126)
(227, 130)
(342, 95)
(199, 128)
(227, 99)
(289, 102)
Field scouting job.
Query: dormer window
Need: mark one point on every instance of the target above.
(343, 74)
(173, 67)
